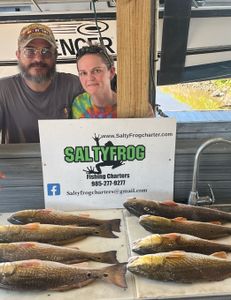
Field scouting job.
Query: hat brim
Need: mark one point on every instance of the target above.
(38, 38)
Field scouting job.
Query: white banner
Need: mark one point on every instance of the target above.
(99, 163)
(69, 35)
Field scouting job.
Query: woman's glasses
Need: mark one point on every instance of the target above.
(94, 50)
(31, 52)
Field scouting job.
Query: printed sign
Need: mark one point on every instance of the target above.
(95, 163)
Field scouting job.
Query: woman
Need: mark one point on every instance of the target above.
(96, 71)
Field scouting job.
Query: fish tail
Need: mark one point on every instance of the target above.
(116, 274)
(115, 224)
(105, 231)
(106, 257)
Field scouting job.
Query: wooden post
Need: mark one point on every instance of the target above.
(133, 57)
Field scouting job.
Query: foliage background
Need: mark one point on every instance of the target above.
(203, 95)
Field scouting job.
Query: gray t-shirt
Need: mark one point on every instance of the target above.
(21, 108)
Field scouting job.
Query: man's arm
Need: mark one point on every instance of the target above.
(150, 113)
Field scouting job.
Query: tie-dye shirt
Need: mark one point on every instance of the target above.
(82, 107)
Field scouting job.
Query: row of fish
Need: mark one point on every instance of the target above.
(32, 258)
(180, 250)
(165, 264)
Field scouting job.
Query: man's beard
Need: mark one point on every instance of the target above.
(40, 78)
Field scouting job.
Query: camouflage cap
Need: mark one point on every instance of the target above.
(36, 31)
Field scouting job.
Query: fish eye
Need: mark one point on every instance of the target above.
(146, 208)
(105, 275)
(89, 274)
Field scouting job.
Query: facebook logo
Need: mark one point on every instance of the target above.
(53, 189)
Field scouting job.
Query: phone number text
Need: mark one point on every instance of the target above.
(108, 182)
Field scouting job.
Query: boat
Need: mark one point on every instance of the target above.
(194, 42)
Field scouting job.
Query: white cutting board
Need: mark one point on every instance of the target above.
(153, 289)
(98, 289)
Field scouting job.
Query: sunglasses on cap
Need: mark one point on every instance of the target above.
(93, 49)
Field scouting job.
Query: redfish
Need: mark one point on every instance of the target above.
(49, 275)
(52, 216)
(68, 255)
(51, 234)
(175, 241)
(171, 209)
(204, 230)
(179, 266)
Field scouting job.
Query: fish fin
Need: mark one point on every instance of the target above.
(32, 226)
(115, 224)
(47, 210)
(30, 263)
(104, 231)
(175, 254)
(180, 219)
(83, 264)
(26, 245)
(168, 203)
(215, 222)
(73, 286)
(85, 215)
(106, 257)
(74, 247)
(220, 254)
(116, 274)
(172, 236)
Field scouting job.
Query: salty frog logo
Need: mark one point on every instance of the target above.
(107, 155)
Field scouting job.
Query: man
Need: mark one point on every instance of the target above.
(38, 91)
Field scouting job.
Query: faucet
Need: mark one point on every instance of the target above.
(197, 3)
(194, 198)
